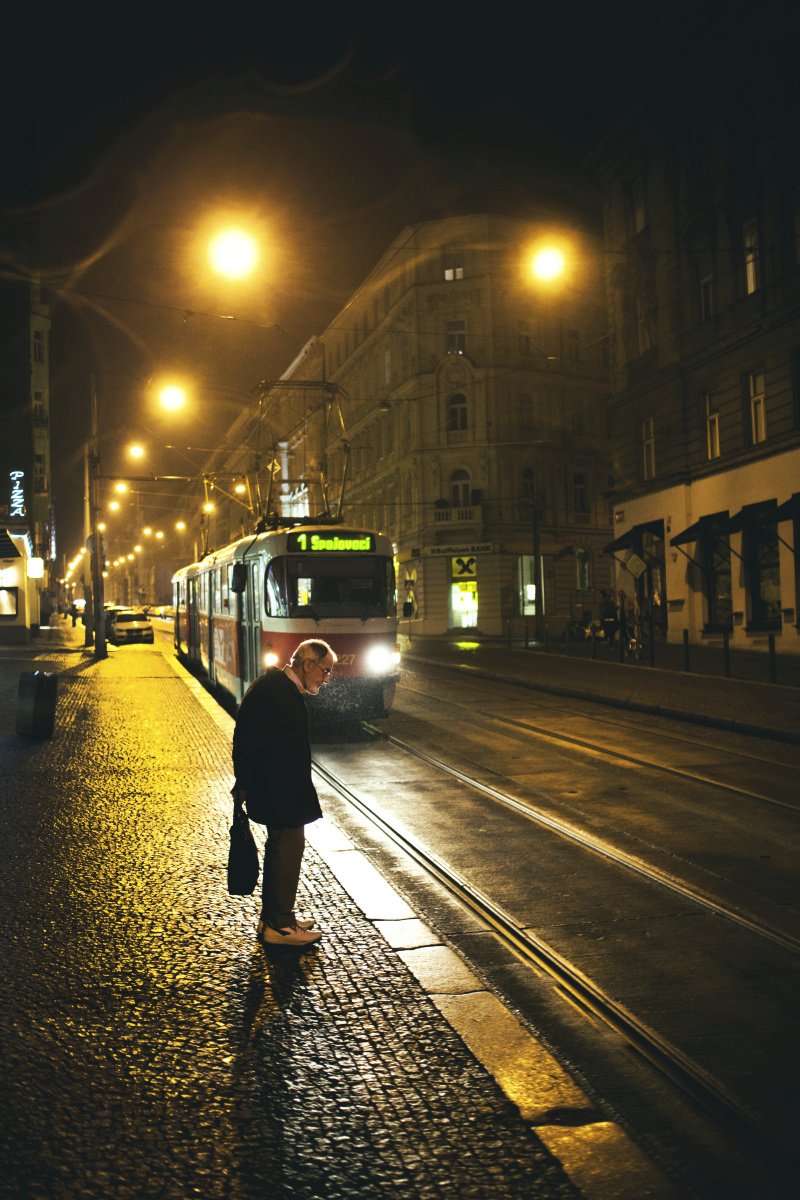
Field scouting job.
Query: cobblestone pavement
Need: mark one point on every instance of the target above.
(150, 1047)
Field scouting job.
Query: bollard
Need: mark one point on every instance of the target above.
(651, 630)
(509, 631)
(568, 632)
(726, 655)
(36, 703)
(773, 666)
(527, 641)
(594, 642)
(686, 665)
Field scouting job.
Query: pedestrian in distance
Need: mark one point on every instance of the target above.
(272, 765)
(608, 617)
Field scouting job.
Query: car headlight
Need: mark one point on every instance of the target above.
(380, 660)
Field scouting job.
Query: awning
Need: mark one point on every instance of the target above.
(790, 508)
(762, 513)
(8, 548)
(710, 526)
(633, 536)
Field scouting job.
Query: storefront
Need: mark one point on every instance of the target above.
(20, 577)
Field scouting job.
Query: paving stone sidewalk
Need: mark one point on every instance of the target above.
(151, 1048)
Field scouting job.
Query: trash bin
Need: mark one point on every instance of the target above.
(36, 703)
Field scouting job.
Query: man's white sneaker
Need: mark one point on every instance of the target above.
(289, 937)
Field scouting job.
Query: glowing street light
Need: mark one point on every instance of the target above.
(548, 263)
(136, 450)
(172, 397)
(233, 253)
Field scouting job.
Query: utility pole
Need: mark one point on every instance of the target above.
(93, 539)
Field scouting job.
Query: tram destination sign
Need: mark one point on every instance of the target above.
(352, 542)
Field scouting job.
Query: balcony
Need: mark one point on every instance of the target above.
(473, 515)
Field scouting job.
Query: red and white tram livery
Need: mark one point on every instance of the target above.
(246, 606)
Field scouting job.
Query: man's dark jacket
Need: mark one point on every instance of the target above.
(272, 753)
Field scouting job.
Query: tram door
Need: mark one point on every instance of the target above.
(252, 625)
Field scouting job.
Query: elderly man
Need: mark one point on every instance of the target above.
(272, 765)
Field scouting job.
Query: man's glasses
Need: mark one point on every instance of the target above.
(325, 670)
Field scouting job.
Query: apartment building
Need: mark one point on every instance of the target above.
(701, 201)
(458, 406)
(27, 526)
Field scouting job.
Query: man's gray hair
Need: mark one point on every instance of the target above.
(312, 648)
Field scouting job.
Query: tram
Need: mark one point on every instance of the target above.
(246, 606)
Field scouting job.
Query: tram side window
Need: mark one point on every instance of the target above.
(275, 589)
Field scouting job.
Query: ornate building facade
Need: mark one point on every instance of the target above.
(460, 408)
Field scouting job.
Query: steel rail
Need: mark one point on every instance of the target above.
(603, 849)
(623, 756)
(689, 1077)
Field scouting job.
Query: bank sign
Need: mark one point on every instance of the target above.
(17, 506)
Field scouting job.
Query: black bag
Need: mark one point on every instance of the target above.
(242, 855)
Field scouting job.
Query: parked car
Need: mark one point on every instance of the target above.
(125, 625)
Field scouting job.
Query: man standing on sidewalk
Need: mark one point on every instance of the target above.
(272, 765)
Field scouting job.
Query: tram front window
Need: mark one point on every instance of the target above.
(332, 586)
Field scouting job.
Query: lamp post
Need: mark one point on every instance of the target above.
(94, 611)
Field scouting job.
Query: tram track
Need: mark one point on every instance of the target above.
(696, 1083)
(602, 848)
(609, 753)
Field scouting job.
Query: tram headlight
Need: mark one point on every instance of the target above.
(271, 659)
(380, 660)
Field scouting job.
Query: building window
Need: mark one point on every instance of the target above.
(638, 211)
(715, 557)
(573, 346)
(649, 448)
(457, 413)
(583, 570)
(705, 282)
(751, 261)
(580, 493)
(38, 345)
(760, 552)
(757, 406)
(453, 269)
(643, 324)
(460, 489)
(712, 426)
(455, 337)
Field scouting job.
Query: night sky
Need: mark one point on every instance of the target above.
(329, 136)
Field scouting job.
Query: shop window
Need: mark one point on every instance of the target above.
(760, 551)
(715, 556)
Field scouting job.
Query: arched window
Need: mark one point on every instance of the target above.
(460, 489)
(457, 413)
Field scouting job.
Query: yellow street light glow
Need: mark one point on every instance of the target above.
(181, 525)
(136, 450)
(114, 505)
(240, 488)
(137, 549)
(120, 487)
(548, 263)
(101, 525)
(172, 398)
(147, 531)
(159, 534)
(208, 508)
(130, 558)
(233, 253)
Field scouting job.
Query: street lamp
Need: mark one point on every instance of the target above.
(233, 253)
